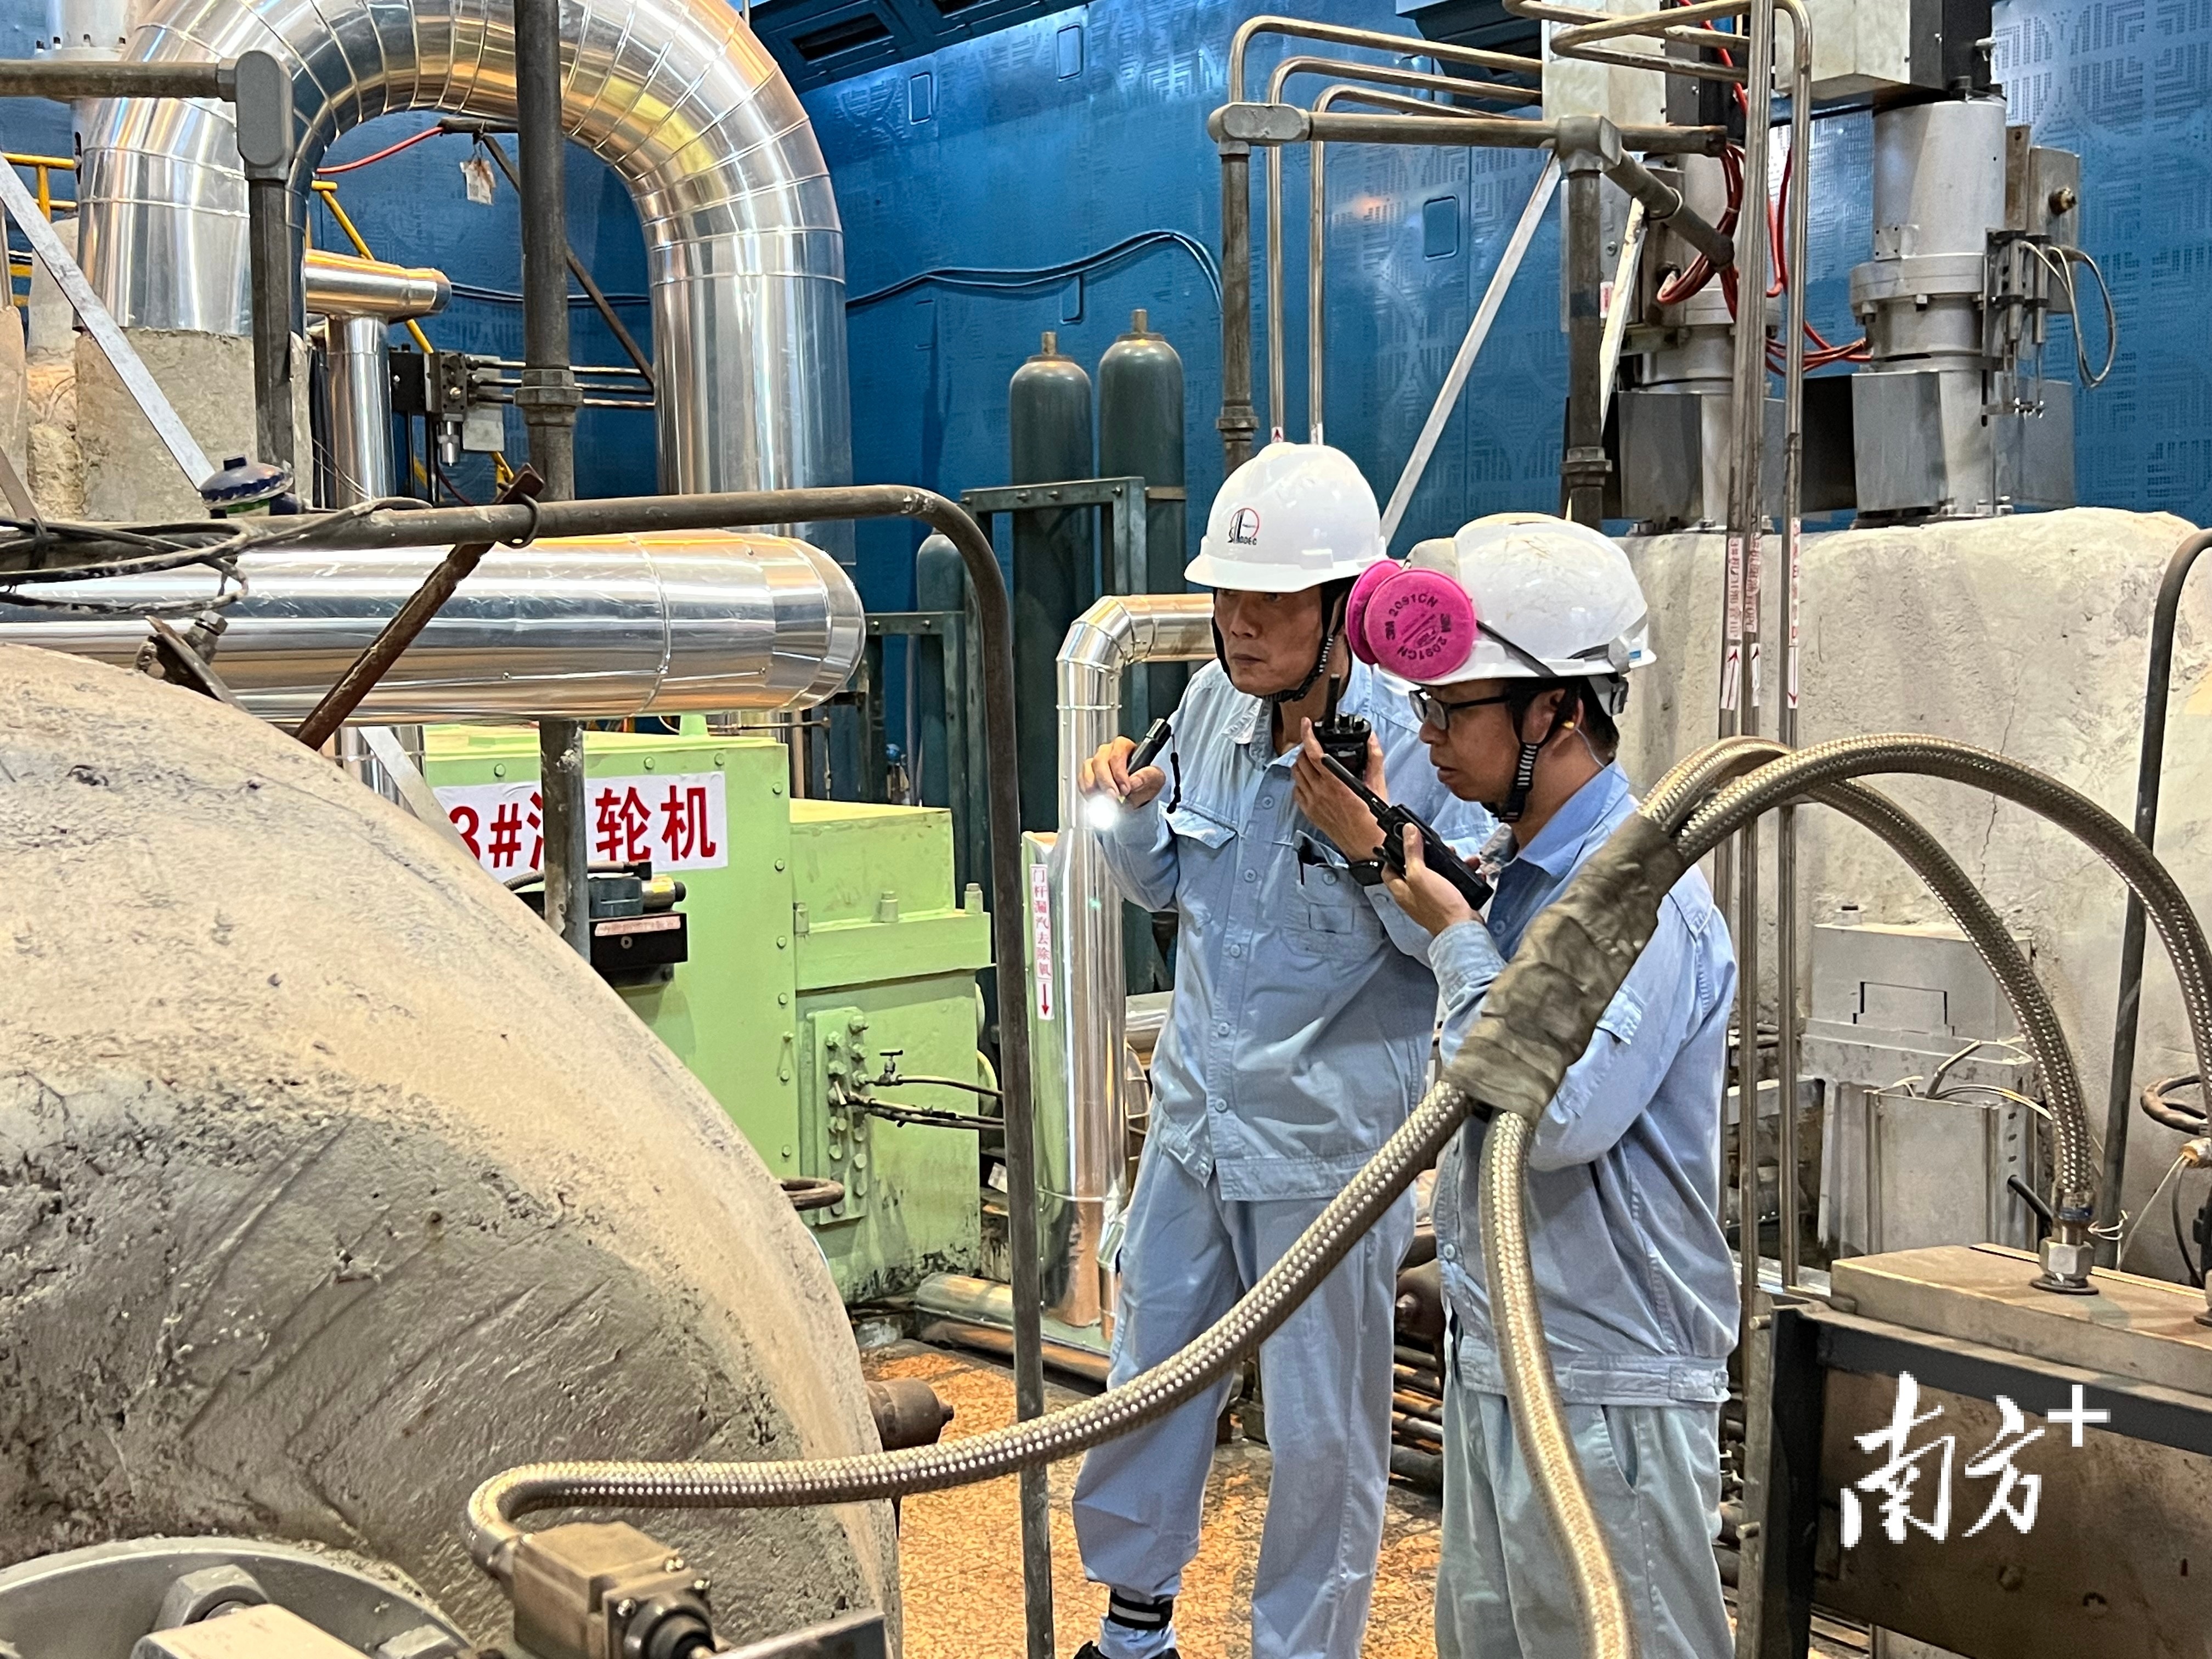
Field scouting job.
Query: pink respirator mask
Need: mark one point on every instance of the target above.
(1410, 621)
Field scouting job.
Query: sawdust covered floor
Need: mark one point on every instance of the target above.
(960, 1556)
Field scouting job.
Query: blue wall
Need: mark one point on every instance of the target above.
(1059, 137)
(1005, 159)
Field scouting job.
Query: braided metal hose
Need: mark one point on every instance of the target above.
(2075, 1161)
(1808, 769)
(492, 1509)
(1540, 1421)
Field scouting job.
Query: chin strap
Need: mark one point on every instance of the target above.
(1524, 766)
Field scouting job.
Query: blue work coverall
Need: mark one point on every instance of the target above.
(1297, 1041)
(1633, 1275)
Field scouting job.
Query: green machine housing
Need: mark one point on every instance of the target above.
(832, 937)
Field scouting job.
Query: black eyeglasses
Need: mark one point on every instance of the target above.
(1432, 710)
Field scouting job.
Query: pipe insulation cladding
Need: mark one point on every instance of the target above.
(593, 627)
(743, 249)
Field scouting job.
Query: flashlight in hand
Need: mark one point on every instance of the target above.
(1103, 808)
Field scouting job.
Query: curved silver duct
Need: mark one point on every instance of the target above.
(1076, 1055)
(596, 628)
(745, 253)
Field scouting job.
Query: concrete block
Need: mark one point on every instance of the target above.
(2024, 635)
(128, 474)
(56, 472)
(53, 321)
(15, 391)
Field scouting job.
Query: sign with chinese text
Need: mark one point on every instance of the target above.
(679, 821)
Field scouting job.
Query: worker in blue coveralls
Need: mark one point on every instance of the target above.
(1521, 633)
(1297, 1040)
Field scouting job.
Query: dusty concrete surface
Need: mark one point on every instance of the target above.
(2028, 636)
(209, 378)
(55, 469)
(331, 1182)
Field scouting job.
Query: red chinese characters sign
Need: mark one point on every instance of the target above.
(678, 822)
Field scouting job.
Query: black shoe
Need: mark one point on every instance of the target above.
(1090, 1650)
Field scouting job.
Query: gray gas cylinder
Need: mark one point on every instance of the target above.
(1141, 433)
(1048, 427)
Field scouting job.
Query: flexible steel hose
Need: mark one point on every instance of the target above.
(2073, 812)
(489, 1524)
(2007, 964)
(1540, 1422)
(2075, 1159)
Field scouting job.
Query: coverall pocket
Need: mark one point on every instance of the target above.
(1195, 823)
(1617, 1423)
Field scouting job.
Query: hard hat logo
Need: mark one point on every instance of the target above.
(1295, 516)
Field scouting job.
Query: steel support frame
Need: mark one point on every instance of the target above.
(1122, 567)
(1797, 1344)
(946, 629)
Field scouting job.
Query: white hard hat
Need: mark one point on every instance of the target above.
(1292, 517)
(1514, 596)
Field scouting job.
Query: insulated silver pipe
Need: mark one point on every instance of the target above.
(743, 251)
(363, 298)
(598, 628)
(1082, 1131)
(339, 285)
(360, 380)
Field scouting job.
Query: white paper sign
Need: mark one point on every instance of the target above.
(680, 821)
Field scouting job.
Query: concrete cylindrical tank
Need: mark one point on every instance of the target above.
(1049, 434)
(333, 1182)
(1140, 416)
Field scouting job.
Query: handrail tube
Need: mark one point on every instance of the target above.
(1670, 25)
(1664, 204)
(1236, 422)
(1317, 237)
(1389, 75)
(1300, 28)
(1736, 866)
(1796, 231)
(66, 80)
(2150, 771)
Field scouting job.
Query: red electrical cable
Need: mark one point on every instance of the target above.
(404, 144)
(1689, 281)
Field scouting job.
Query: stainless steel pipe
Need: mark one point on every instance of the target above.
(596, 628)
(339, 285)
(363, 298)
(743, 250)
(1082, 1126)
